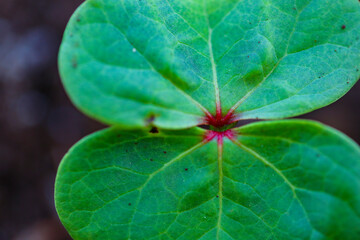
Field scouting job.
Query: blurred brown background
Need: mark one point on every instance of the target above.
(38, 124)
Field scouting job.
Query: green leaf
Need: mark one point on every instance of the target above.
(172, 62)
(285, 180)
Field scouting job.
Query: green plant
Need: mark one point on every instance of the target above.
(157, 69)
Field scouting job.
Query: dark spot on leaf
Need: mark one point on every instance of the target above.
(154, 130)
(151, 160)
(315, 41)
(136, 143)
(129, 204)
(343, 27)
(347, 82)
(126, 150)
(78, 19)
(258, 41)
(217, 196)
(335, 50)
(74, 63)
(165, 152)
(248, 56)
(294, 8)
(150, 119)
(186, 169)
(357, 70)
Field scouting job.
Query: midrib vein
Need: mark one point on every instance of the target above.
(213, 64)
(221, 176)
(214, 72)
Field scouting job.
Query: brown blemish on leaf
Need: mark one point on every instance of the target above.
(154, 130)
(74, 63)
(164, 152)
(186, 169)
(343, 27)
(151, 160)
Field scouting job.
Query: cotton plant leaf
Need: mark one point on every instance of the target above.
(290, 179)
(171, 63)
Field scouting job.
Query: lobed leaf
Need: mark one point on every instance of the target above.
(172, 62)
(285, 180)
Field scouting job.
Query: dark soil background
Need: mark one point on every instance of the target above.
(38, 123)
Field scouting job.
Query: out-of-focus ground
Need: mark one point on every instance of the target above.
(38, 124)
